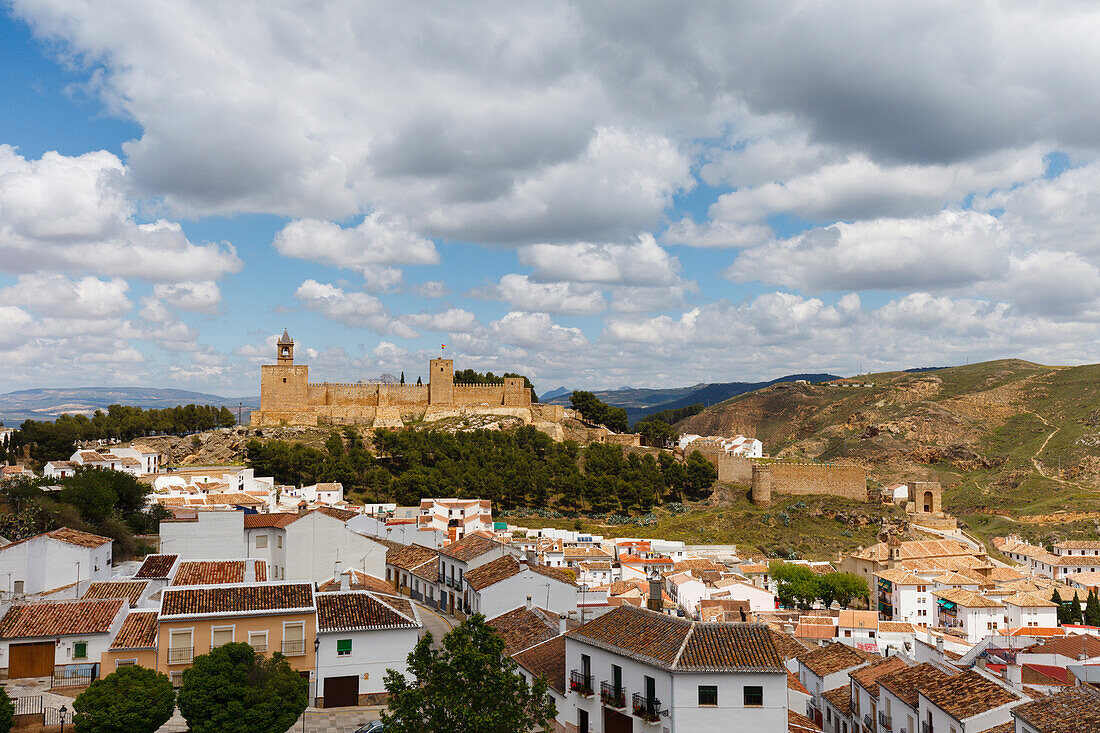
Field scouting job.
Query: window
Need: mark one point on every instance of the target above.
(220, 635)
(616, 676)
(708, 695)
(343, 647)
(754, 696)
(18, 586)
(582, 721)
(125, 663)
(180, 650)
(261, 541)
(586, 665)
(847, 632)
(80, 650)
(278, 540)
(177, 677)
(294, 638)
(258, 640)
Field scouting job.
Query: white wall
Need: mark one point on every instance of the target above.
(688, 716)
(44, 563)
(316, 541)
(216, 535)
(501, 597)
(63, 649)
(372, 653)
(274, 553)
(406, 534)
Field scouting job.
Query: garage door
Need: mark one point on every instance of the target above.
(31, 660)
(616, 722)
(341, 692)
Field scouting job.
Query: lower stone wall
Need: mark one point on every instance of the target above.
(846, 480)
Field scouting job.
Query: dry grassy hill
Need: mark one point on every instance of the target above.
(1006, 437)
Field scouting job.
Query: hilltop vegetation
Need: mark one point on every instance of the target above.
(1004, 437)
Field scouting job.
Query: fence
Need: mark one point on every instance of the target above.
(79, 677)
(28, 705)
(54, 716)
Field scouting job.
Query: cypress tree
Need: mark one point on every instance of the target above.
(1092, 610)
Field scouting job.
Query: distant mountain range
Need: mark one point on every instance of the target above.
(49, 403)
(640, 402)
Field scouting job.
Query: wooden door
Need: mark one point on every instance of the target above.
(616, 722)
(340, 692)
(31, 660)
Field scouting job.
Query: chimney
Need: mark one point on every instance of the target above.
(655, 601)
(302, 509)
(1014, 673)
(528, 603)
(249, 571)
(345, 580)
(561, 624)
(939, 645)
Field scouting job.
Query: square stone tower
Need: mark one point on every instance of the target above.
(441, 382)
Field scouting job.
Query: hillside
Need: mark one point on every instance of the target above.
(1005, 437)
(639, 402)
(48, 403)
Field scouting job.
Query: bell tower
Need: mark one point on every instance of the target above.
(284, 355)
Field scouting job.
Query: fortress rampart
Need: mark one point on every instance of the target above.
(846, 480)
(287, 397)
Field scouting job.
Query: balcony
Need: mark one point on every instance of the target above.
(580, 683)
(294, 647)
(181, 655)
(612, 696)
(259, 648)
(885, 720)
(647, 708)
(811, 708)
(869, 721)
(926, 727)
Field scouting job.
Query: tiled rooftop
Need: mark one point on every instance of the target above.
(905, 683)
(840, 698)
(471, 546)
(215, 572)
(358, 610)
(505, 567)
(867, 677)
(131, 590)
(139, 631)
(273, 520)
(799, 723)
(410, 556)
(1071, 711)
(70, 536)
(156, 566)
(835, 657)
(524, 627)
(966, 695)
(358, 580)
(59, 618)
(275, 597)
(546, 660)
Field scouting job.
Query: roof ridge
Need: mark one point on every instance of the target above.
(683, 646)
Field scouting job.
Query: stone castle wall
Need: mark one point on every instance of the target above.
(848, 481)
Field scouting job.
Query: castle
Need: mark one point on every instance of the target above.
(288, 398)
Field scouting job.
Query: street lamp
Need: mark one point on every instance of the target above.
(62, 711)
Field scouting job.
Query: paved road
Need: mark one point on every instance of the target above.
(344, 720)
(435, 622)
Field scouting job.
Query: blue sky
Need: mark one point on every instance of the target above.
(715, 194)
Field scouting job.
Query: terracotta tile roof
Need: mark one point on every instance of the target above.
(697, 563)
(233, 498)
(900, 576)
(966, 598)
(358, 610)
(575, 553)
(794, 684)
(73, 537)
(428, 571)
(799, 723)
(59, 618)
(505, 567)
(907, 682)
(1078, 545)
(408, 557)
(833, 658)
(999, 575)
(1069, 646)
(524, 627)
(916, 549)
(131, 590)
(752, 568)
(895, 627)
(139, 631)
(216, 572)
(594, 566)
(342, 514)
(272, 520)
(1009, 727)
(1027, 600)
(867, 677)
(787, 646)
(358, 580)
(840, 698)
(156, 566)
(682, 645)
(1045, 674)
(966, 695)
(1070, 711)
(471, 546)
(221, 600)
(546, 660)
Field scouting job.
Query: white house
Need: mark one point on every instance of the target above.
(1025, 609)
(135, 460)
(827, 668)
(633, 664)
(903, 596)
(898, 695)
(327, 493)
(458, 558)
(970, 612)
(493, 588)
(864, 692)
(53, 560)
(456, 517)
(968, 702)
(361, 635)
(37, 638)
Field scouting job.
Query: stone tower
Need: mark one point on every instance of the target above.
(761, 484)
(441, 382)
(284, 354)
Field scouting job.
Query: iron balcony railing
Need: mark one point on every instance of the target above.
(647, 708)
(580, 682)
(925, 727)
(869, 721)
(259, 648)
(181, 655)
(294, 647)
(885, 720)
(612, 696)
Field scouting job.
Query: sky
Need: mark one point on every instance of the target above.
(592, 194)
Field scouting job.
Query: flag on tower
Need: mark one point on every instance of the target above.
(443, 346)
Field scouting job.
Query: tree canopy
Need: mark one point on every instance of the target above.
(798, 585)
(467, 686)
(131, 699)
(7, 711)
(656, 432)
(469, 376)
(595, 410)
(235, 690)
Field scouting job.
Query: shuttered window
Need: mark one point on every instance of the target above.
(343, 647)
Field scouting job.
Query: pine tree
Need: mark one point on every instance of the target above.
(1065, 610)
(402, 376)
(419, 383)
(1092, 610)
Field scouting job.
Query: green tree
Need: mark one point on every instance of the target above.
(797, 585)
(129, 700)
(700, 475)
(1092, 610)
(235, 690)
(595, 410)
(656, 432)
(840, 587)
(7, 711)
(467, 686)
(1069, 612)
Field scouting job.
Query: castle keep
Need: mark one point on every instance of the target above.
(287, 397)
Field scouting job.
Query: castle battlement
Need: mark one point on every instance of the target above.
(287, 397)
